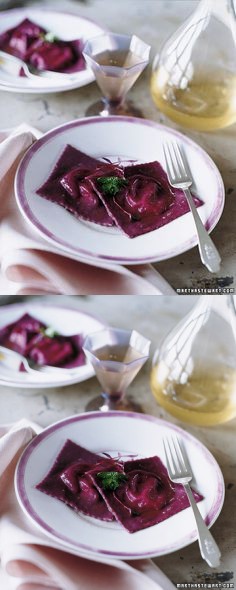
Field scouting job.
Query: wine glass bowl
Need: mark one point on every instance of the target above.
(116, 61)
(116, 356)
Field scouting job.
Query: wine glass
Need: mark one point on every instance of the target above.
(116, 356)
(117, 61)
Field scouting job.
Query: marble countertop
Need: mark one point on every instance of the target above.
(153, 317)
(154, 21)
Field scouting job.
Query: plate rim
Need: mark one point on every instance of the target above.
(59, 306)
(27, 213)
(46, 90)
(84, 549)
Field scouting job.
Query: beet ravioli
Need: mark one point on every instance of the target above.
(42, 49)
(42, 344)
(136, 199)
(136, 493)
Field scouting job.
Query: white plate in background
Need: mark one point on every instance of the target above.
(67, 320)
(65, 26)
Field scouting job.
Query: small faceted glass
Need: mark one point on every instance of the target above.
(194, 77)
(116, 61)
(194, 371)
(116, 356)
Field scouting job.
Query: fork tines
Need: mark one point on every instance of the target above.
(176, 162)
(176, 457)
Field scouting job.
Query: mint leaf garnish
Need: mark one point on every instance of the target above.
(111, 185)
(49, 37)
(110, 480)
(49, 332)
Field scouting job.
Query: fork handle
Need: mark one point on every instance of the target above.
(208, 547)
(208, 252)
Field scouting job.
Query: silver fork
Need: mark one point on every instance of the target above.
(179, 176)
(30, 366)
(13, 64)
(179, 471)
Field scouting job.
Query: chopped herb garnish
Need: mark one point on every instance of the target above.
(49, 332)
(110, 185)
(49, 37)
(110, 480)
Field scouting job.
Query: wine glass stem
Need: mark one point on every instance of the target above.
(113, 105)
(112, 399)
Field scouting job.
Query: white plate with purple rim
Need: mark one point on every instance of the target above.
(114, 432)
(110, 137)
(64, 25)
(65, 320)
